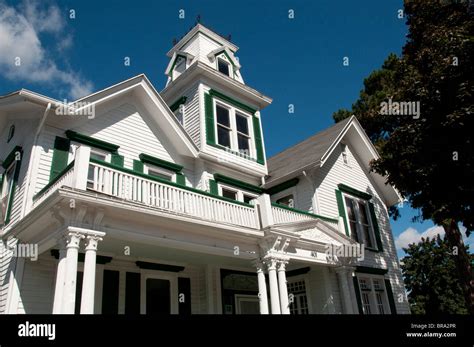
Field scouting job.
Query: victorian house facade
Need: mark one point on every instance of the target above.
(134, 201)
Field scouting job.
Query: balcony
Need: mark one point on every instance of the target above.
(89, 174)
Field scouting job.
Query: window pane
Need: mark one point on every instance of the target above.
(159, 174)
(248, 199)
(223, 66)
(222, 115)
(244, 146)
(98, 156)
(350, 209)
(353, 226)
(226, 193)
(223, 136)
(7, 189)
(242, 124)
(363, 213)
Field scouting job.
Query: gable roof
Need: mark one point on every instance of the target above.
(314, 151)
(138, 86)
(305, 154)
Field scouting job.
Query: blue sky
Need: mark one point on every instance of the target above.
(295, 61)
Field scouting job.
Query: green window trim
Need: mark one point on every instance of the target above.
(370, 270)
(324, 218)
(148, 159)
(161, 180)
(342, 212)
(6, 164)
(236, 183)
(137, 165)
(210, 124)
(375, 224)
(213, 189)
(357, 293)
(391, 299)
(90, 141)
(117, 159)
(11, 157)
(174, 106)
(282, 186)
(349, 190)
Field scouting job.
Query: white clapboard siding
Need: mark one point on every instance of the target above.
(7, 266)
(23, 137)
(334, 172)
(37, 286)
(192, 120)
(126, 127)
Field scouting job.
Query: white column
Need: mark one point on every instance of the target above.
(262, 288)
(285, 308)
(88, 283)
(274, 296)
(344, 288)
(60, 278)
(81, 167)
(69, 295)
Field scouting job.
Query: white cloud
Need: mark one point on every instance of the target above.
(411, 235)
(22, 54)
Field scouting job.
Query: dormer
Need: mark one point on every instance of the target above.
(203, 45)
(179, 62)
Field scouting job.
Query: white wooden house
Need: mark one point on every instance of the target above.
(141, 201)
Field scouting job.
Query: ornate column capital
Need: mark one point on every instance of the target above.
(73, 239)
(92, 242)
(344, 269)
(282, 264)
(271, 263)
(258, 263)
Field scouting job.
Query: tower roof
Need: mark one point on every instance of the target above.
(199, 28)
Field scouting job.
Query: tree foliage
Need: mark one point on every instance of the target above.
(429, 158)
(429, 273)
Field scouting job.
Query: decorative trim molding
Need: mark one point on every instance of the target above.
(371, 270)
(237, 183)
(90, 141)
(282, 186)
(159, 267)
(148, 159)
(352, 191)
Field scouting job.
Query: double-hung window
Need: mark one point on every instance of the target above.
(7, 189)
(373, 295)
(223, 67)
(233, 129)
(360, 224)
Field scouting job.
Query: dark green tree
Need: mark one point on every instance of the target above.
(429, 158)
(429, 273)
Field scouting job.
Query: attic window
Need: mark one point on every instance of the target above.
(223, 67)
(344, 154)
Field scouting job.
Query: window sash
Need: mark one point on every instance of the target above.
(361, 230)
(221, 63)
(7, 189)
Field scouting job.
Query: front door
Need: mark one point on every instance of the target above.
(159, 294)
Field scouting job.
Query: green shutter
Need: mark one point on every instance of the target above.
(213, 187)
(117, 159)
(137, 165)
(391, 299)
(180, 179)
(357, 293)
(342, 211)
(210, 132)
(258, 140)
(60, 156)
(376, 227)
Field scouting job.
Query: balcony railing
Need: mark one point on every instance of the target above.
(64, 178)
(86, 173)
(285, 214)
(168, 196)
